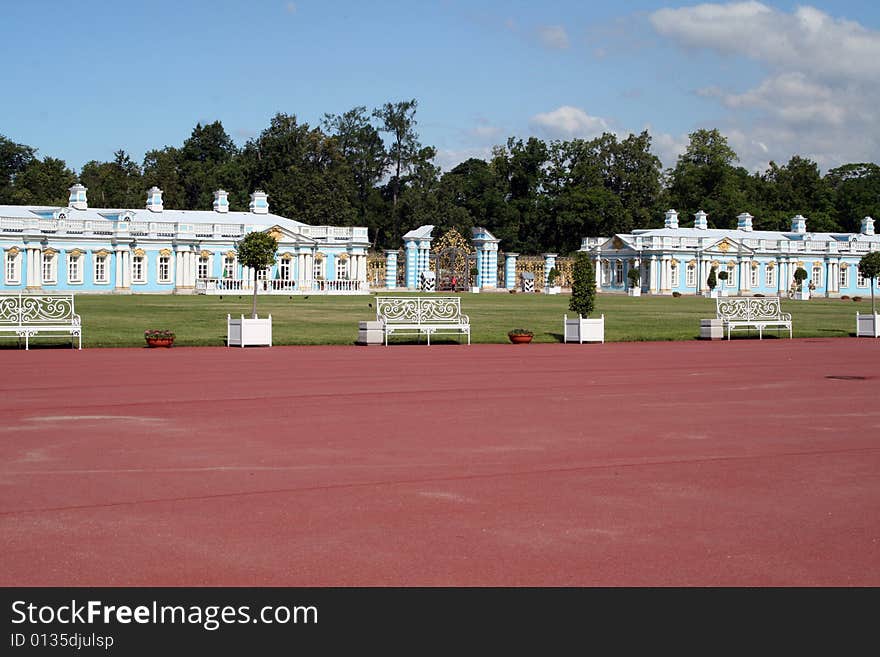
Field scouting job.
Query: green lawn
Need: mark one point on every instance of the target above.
(119, 321)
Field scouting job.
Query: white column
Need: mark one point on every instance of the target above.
(126, 269)
(665, 272)
(743, 275)
(652, 275)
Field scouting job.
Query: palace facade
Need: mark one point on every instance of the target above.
(678, 259)
(157, 250)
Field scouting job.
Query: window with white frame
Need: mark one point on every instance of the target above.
(861, 279)
(618, 272)
(770, 276)
(318, 268)
(203, 266)
(263, 274)
(606, 272)
(138, 269)
(164, 269)
(817, 276)
(229, 267)
(753, 277)
(675, 275)
(101, 269)
(843, 278)
(342, 269)
(74, 268)
(12, 268)
(284, 269)
(690, 275)
(731, 275)
(50, 268)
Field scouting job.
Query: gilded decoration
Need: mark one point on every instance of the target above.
(231, 254)
(844, 265)
(450, 260)
(376, 269)
(800, 263)
(724, 246)
(275, 231)
(14, 251)
(140, 253)
(49, 251)
(617, 244)
(532, 265)
(755, 264)
(715, 263)
(286, 256)
(204, 253)
(165, 252)
(342, 256)
(817, 263)
(75, 253)
(102, 253)
(771, 265)
(319, 257)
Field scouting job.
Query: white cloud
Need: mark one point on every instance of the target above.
(820, 96)
(553, 36)
(806, 40)
(447, 159)
(567, 122)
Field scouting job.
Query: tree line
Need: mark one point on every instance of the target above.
(369, 168)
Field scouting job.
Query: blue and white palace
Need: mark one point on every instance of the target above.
(677, 259)
(157, 250)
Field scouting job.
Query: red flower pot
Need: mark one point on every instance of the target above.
(159, 342)
(520, 339)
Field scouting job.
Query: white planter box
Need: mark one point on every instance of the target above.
(711, 329)
(714, 294)
(475, 290)
(248, 332)
(867, 326)
(802, 296)
(370, 333)
(552, 289)
(634, 292)
(584, 330)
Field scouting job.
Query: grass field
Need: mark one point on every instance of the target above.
(119, 321)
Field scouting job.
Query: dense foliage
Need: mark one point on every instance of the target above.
(368, 168)
(257, 251)
(583, 286)
(869, 266)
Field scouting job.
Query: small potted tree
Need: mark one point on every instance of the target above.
(583, 301)
(722, 276)
(520, 336)
(801, 293)
(712, 282)
(474, 285)
(869, 325)
(635, 282)
(257, 251)
(552, 280)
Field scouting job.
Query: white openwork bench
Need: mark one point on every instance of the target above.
(29, 315)
(417, 315)
(746, 313)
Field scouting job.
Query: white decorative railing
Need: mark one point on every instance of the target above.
(12, 225)
(280, 286)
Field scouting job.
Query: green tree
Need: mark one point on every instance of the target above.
(303, 172)
(116, 184)
(43, 182)
(797, 188)
(869, 267)
(705, 178)
(855, 190)
(800, 275)
(257, 251)
(583, 285)
(14, 158)
(162, 169)
(712, 280)
(399, 121)
(364, 153)
(207, 161)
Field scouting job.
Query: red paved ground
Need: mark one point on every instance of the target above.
(690, 463)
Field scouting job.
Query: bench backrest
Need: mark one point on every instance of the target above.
(748, 308)
(32, 309)
(418, 310)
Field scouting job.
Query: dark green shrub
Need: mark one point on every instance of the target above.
(583, 286)
(711, 282)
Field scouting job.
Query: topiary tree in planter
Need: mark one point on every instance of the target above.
(583, 286)
(800, 275)
(722, 276)
(869, 267)
(552, 276)
(711, 281)
(256, 250)
(634, 276)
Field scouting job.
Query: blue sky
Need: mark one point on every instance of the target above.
(81, 80)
